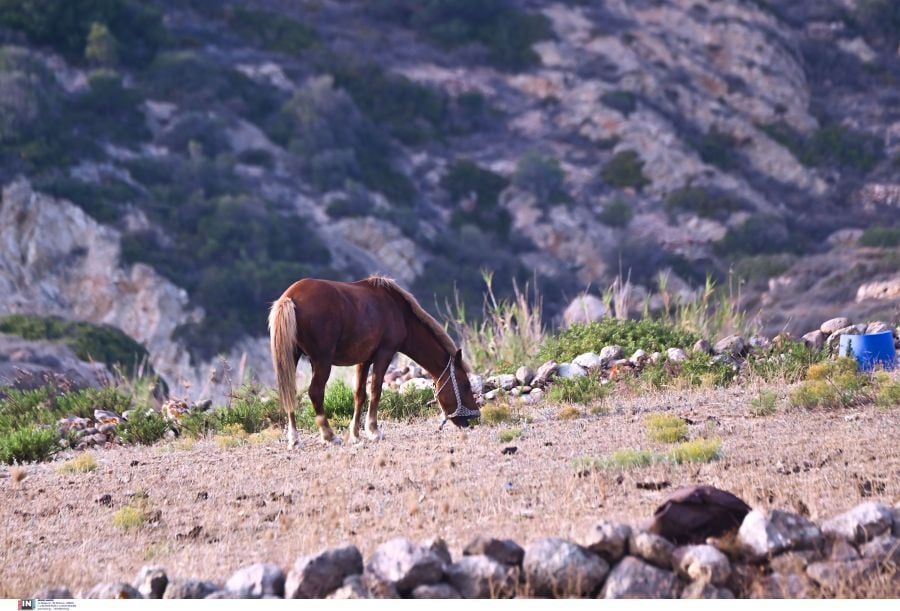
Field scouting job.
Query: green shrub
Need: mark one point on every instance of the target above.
(250, 410)
(102, 200)
(759, 234)
(339, 400)
(465, 177)
(665, 428)
(764, 404)
(29, 444)
(101, 343)
(616, 213)
(623, 101)
(618, 460)
(83, 402)
(879, 20)
(831, 145)
(697, 450)
(406, 405)
(888, 393)
(543, 177)
(832, 385)
(102, 48)
(701, 370)
(144, 427)
(718, 149)
(763, 267)
(495, 414)
(703, 202)
(507, 435)
(624, 170)
(648, 335)
(271, 30)
(788, 362)
(581, 390)
(880, 237)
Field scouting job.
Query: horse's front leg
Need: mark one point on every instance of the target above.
(380, 365)
(359, 399)
(321, 371)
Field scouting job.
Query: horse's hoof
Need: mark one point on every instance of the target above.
(354, 439)
(375, 435)
(334, 441)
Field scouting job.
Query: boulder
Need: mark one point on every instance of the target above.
(608, 354)
(151, 581)
(693, 513)
(190, 589)
(570, 371)
(113, 590)
(352, 588)
(830, 326)
(584, 309)
(481, 577)
(405, 565)
(885, 548)
(318, 575)
(733, 345)
(814, 339)
(759, 342)
(256, 581)
(504, 381)
(842, 551)
(608, 539)
(633, 578)
(556, 567)
(439, 547)
(764, 535)
(588, 360)
(525, 375)
(701, 563)
(544, 374)
(639, 358)
(701, 346)
(703, 590)
(441, 591)
(651, 547)
(862, 523)
(676, 355)
(505, 551)
(878, 326)
(839, 577)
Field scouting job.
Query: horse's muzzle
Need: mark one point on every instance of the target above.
(462, 421)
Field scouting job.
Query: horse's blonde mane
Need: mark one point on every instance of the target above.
(427, 319)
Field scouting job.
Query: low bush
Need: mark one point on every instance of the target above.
(569, 412)
(831, 145)
(271, 30)
(665, 428)
(888, 393)
(697, 450)
(495, 414)
(718, 149)
(28, 444)
(764, 404)
(648, 335)
(543, 177)
(144, 427)
(762, 267)
(832, 385)
(402, 406)
(507, 435)
(880, 237)
(625, 170)
(789, 362)
(617, 213)
(703, 202)
(759, 234)
(250, 409)
(339, 400)
(618, 460)
(580, 390)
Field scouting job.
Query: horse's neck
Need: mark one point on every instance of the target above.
(423, 347)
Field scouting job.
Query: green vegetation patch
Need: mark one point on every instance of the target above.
(666, 428)
(648, 335)
(29, 444)
(407, 405)
(625, 170)
(764, 404)
(581, 390)
(832, 144)
(703, 202)
(880, 237)
(271, 30)
(696, 450)
(833, 385)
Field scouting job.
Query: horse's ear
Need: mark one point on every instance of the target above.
(458, 358)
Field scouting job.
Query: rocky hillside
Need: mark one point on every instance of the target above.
(170, 167)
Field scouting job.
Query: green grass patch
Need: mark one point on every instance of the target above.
(696, 450)
(507, 435)
(888, 393)
(880, 237)
(666, 428)
(618, 460)
(764, 404)
(250, 408)
(632, 335)
(495, 414)
(833, 385)
(133, 515)
(83, 463)
(30, 444)
(404, 406)
(581, 390)
(143, 427)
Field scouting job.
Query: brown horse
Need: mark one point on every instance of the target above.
(363, 323)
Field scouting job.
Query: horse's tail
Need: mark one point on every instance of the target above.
(283, 342)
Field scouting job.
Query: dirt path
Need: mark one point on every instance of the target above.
(220, 509)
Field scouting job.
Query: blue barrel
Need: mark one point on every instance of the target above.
(871, 350)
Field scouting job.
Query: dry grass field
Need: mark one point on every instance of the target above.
(204, 509)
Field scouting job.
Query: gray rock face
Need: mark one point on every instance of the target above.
(733, 345)
(633, 578)
(524, 375)
(761, 535)
(882, 549)
(702, 590)
(481, 577)
(435, 591)
(53, 593)
(838, 576)
(544, 374)
(651, 547)
(151, 581)
(862, 523)
(556, 567)
(814, 339)
(608, 539)
(113, 590)
(830, 326)
(702, 563)
(588, 360)
(318, 575)
(258, 580)
(505, 551)
(570, 370)
(608, 354)
(405, 565)
(676, 355)
(190, 588)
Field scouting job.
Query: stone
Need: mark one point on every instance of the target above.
(830, 326)
(570, 371)
(113, 590)
(416, 384)
(878, 326)
(701, 563)
(257, 580)
(832, 341)
(544, 374)
(895, 513)
(793, 561)
(842, 576)
(633, 578)
(639, 358)
(759, 342)
(504, 381)
(225, 594)
(842, 551)
(777, 585)
(352, 588)
(676, 355)
(481, 577)
(405, 565)
(862, 523)
(439, 547)
(703, 590)
(190, 588)
(584, 309)
(524, 375)
(651, 547)
(885, 548)
(491, 395)
(608, 354)
(588, 360)
(477, 384)
(701, 346)
(151, 581)
(656, 357)
(733, 346)
(814, 339)
(505, 551)
(318, 575)
(556, 567)
(608, 539)
(53, 593)
(435, 591)
(760, 535)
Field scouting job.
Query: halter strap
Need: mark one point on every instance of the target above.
(461, 410)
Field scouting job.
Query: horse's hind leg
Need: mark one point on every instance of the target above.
(380, 365)
(359, 399)
(321, 371)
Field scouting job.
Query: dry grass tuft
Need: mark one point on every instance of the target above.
(764, 404)
(83, 463)
(508, 435)
(569, 412)
(18, 474)
(697, 450)
(666, 428)
(130, 516)
(495, 414)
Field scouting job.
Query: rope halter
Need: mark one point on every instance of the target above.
(461, 410)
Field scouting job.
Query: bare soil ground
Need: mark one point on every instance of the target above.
(222, 508)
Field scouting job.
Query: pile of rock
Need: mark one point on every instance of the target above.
(828, 335)
(778, 554)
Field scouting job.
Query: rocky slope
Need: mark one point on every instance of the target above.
(240, 146)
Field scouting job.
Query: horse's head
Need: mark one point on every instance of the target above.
(454, 393)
